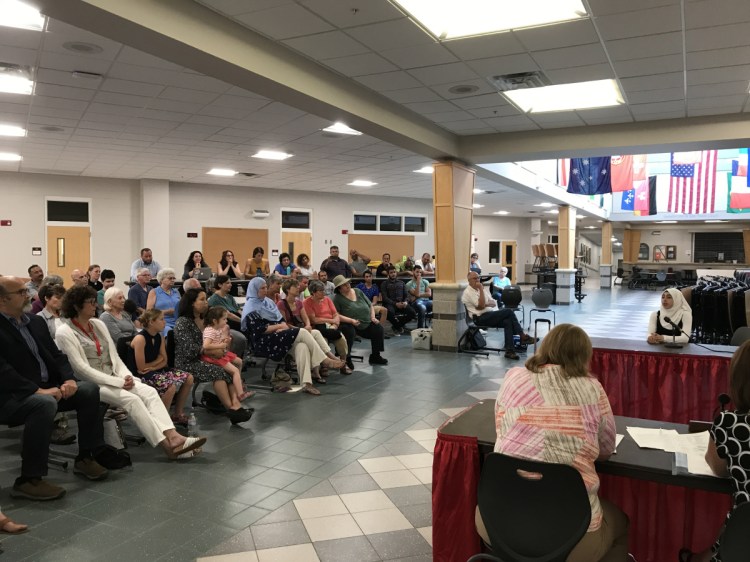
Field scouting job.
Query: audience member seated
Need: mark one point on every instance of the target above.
(193, 265)
(324, 317)
(474, 264)
(146, 260)
(483, 309)
(239, 341)
(165, 298)
(93, 356)
(382, 270)
(329, 288)
(673, 308)
(359, 263)
(358, 318)
(499, 282)
(138, 292)
(304, 281)
(36, 274)
(553, 410)
(118, 322)
(372, 292)
(150, 363)
(37, 381)
(188, 336)
(257, 266)
(274, 287)
(396, 301)
(223, 299)
(51, 296)
(303, 264)
(216, 343)
(228, 266)
(94, 273)
(405, 267)
(79, 278)
(427, 266)
(107, 281)
(333, 265)
(420, 296)
(274, 338)
(38, 305)
(285, 268)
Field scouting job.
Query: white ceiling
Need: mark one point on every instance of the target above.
(149, 118)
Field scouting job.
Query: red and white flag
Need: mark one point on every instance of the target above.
(696, 194)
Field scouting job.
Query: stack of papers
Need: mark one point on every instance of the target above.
(689, 448)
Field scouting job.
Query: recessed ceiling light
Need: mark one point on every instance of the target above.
(590, 227)
(272, 155)
(478, 206)
(618, 243)
(447, 19)
(21, 15)
(714, 221)
(666, 222)
(476, 190)
(613, 239)
(501, 213)
(82, 48)
(15, 79)
(341, 129)
(425, 170)
(12, 131)
(362, 183)
(566, 97)
(553, 212)
(463, 89)
(10, 157)
(222, 172)
(544, 205)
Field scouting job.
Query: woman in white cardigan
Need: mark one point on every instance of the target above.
(93, 356)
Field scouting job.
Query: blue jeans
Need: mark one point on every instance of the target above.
(422, 307)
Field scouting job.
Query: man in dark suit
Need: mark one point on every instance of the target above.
(36, 381)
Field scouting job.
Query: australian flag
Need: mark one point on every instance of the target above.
(590, 176)
(628, 200)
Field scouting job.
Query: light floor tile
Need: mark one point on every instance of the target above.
(426, 532)
(484, 394)
(395, 479)
(332, 527)
(497, 381)
(381, 464)
(367, 501)
(320, 507)
(422, 434)
(420, 460)
(382, 521)
(450, 412)
(428, 445)
(250, 556)
(296, 553)
(423, 474)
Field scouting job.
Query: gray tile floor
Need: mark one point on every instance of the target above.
(241, 499)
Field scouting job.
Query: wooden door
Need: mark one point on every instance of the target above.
(68, 248)
(508, 259)
(296, 243)
(240, 240)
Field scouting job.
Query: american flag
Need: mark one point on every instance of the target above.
(692, 187)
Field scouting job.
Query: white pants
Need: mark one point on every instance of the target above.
(144, 407)
(307, 354)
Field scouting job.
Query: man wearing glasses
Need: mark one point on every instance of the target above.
(146, 260)
(138, 293)
(36, 381)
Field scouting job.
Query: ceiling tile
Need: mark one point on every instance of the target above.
(712, 75)
(443, 74)
(712, 13)
(501, 110)
(480, 101)
(20, 38)
(190, 96)
(604, 112)
(566, 57)
(361, 65)
(235, 7)
(646, 46)
(658, 107)
(638, 83)
(59, 33)
(354, 12)
(643, 22)
(511, 123)
(580, 74)
(725, 57)
(483, 87)
(732, 104)
(326, 45)
(431, 107)
(605, 7)
(390, 35)
(449, 116)
(412, 95)
(284, 22)
(62, 78)
(121, 99)
(385, 81)
(419, 55)
(649, 96)
(503, 65)
(720, 37)
(129, 87)
(651, 65)
(18, 55)
(565, 34)
(142, 74)
(697, 112)
(485, 46)
(66, 92)
(717, 89)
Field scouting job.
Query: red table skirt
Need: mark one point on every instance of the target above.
(658, 386)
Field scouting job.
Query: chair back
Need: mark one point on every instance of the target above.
(535, 250)
(170, 349)
(532, 520)
(511, 296)
(740, 336)
(735, 541)
(126, 353)
(542, 298)
(542, 251)
(550, 249)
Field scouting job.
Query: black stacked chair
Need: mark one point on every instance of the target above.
(735, 541)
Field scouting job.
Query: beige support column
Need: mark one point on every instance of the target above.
(453, 199)
(565, 273)
(605, 266)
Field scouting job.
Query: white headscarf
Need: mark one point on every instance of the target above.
(679, 308)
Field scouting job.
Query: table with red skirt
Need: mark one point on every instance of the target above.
(641, 381)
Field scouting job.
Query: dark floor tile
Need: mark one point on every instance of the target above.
(321, 453)
(245, 518)
(399, 544)
(276, 500)
(22, 546)
(286, 512)
(63, 528)
(251, 493)
(275, 478)
(319, 490)
(346, 550)
(303, 484)
(269, 458)
(419, 515)
(299, 465)
(279, 534)
(355, 483)
(409, 495)
(241, 542)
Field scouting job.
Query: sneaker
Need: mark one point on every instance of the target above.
(483, 332)
(89, 468)
(61, 436)
(37, 489)
(511, 355)
(378, 360)
(527, 339)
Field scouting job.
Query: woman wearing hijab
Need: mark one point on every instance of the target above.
(274, 338)
(677, 310)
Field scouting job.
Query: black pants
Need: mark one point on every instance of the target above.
(36, 412)
(373, 332)
(328, 333)
(504, 318)
(406, 315)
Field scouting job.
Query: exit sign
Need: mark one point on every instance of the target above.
(6, 222)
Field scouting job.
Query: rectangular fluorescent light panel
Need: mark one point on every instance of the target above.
(271, 155)
(221, 172)
(478, 206)
(10, 157)
(12, 131)
(341, 129)
(567, 97)
(501, 213)
(14, 83)
(424, 170)
(21, 15)
(448, 19)
(362, 183)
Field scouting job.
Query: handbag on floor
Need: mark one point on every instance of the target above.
(421, 338)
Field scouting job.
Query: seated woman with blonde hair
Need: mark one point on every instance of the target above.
(553, 409)
(673, 320)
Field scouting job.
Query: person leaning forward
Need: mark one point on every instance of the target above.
(36, 381)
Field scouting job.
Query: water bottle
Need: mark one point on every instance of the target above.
(192, 424)
(516, 340)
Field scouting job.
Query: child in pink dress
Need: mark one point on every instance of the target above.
(216, 336)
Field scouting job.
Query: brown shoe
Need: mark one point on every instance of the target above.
(89, 468)
(37, 489)
(61, 436)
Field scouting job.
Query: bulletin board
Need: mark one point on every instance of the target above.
(375, 245)
(240, 240)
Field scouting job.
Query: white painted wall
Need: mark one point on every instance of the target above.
(505, 229)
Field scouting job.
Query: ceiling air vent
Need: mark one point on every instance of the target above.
(247, 174)
(519, 81)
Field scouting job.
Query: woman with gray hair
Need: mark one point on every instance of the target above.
(324, 317)
(118, 323)
(165, 298)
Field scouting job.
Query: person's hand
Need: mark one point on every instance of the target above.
(355, 323)
(68, 388)
(655, 338)
(169, 312)
(400, 305)
(129, 383)
(54, 392)
(282, 326)
(309, 328)
(374, 320)
(334, 326)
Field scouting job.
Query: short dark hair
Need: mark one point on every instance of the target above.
(214, 314)
(301, 259)
(107, 274)
(387, 254)
(258, 250)
(367, 272)
(31, 267)
(284, 255)
(220, 280)
(92, 267)
(75, 298)
(289, 283)
(334, 247)
(49, 291)
(187, 303)
(739, 379)
(145, 250)
(390, 268)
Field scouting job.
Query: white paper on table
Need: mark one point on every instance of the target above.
(691, 452)
(647, 438)
(619, 437)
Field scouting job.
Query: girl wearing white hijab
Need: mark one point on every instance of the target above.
(675, 307)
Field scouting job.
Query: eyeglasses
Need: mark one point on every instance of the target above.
(172, 277)
(23, 291)
(90, 301)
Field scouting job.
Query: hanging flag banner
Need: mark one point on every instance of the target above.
(622, 173)
(590, 176)
(693, 185)
(738, 195)
(628, 200)
(563, 168)
(639, 167)
(645, 197)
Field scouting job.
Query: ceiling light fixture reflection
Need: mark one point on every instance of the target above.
(477, 190)
(425, 170)
(714, 221)
(342, 129)
(501, 213)
(447, 19)
(667, 222)
(553, 212)
(566, 97)
(544, 205)
(10, 157)
(362, 183)
(12, 131)
(221, 172)
(478, 206)
(20, 15)
(272, 155)
(15, 79)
